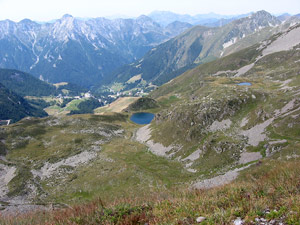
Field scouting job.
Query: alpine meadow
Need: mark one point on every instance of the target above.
(161, 118)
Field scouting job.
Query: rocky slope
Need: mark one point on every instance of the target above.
(211, 122)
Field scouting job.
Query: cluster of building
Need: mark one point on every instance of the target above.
(127, 94)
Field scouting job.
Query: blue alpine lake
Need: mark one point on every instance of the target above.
(142, 118)
(244, 84)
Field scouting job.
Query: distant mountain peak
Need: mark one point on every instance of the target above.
(144, 18)
(26, 21)
(66, 16)
(260, 14)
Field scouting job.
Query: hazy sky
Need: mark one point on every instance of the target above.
(44, 10)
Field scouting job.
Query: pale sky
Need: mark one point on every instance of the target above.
(45, 10)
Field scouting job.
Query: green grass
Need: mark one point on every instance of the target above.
(73, 104)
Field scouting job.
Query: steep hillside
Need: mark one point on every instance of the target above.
(13, 107)
(77, 51)
(195, 46)
(25, 84)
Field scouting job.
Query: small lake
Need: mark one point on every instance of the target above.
(244, 84)
(142, 118)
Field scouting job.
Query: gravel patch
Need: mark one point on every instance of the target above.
(217, 126)
(244, 122)
(226, 72)
(247, 157)
(191, 170)
(244, 70)
(283, 43)
(219, 180)
(158, 149)
(284, 85)
(50, 169)
(256, 133)
(286, 108)
(7, 173)
(277, 142)
(194, 156)
(15, 209)
(143, 135)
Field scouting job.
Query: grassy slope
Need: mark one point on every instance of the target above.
(122, 166)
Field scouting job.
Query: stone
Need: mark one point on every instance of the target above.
(238, 221)
(200, 219)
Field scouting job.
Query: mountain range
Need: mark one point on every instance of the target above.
(77, 51)
(211, 19)
(199, 45)
(93, 52)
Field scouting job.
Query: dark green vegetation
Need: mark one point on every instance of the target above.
(87, 106)
(71, 89)
(25, 84)
(14, 107)
(142, 104)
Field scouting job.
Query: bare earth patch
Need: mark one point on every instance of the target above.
(117, 106)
